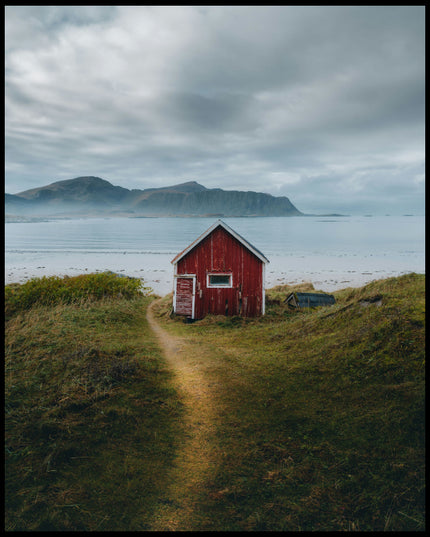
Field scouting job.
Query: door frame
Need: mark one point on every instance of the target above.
(193, 296)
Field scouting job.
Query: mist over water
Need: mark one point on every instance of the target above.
(330, 252)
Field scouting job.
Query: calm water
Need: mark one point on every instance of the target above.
(330, 252)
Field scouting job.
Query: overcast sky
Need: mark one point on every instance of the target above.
(324, 105)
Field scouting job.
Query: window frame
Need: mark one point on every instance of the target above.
(210, 285)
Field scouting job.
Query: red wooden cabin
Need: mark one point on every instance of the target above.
(219, 273)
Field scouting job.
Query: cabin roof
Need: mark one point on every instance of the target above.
(311, 299)
(220, 223)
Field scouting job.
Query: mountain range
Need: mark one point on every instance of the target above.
(96, 196)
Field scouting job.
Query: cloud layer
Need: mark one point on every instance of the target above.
(322, 104)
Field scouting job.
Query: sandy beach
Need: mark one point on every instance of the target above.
(325, 273)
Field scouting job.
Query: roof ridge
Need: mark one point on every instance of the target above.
(212, 228)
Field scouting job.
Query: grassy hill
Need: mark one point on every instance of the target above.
(92, 422)
(319, 418)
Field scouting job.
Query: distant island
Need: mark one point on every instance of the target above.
(93, 196)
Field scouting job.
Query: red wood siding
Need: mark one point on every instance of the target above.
(220, 252)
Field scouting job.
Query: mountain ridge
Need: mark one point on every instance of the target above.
(91, 194)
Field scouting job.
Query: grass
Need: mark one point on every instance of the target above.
(321, 412)
(54, 290)
(92, 422)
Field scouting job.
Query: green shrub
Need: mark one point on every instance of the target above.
(48, 291)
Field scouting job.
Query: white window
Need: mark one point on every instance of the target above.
(219, 280)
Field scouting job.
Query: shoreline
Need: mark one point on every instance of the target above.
(161, 280)
(318, 253)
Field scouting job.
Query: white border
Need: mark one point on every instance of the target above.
(219, 286)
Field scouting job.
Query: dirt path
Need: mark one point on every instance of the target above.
(196, 460)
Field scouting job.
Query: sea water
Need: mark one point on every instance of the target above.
(330, 252)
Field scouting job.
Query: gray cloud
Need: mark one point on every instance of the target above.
(322, 104)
